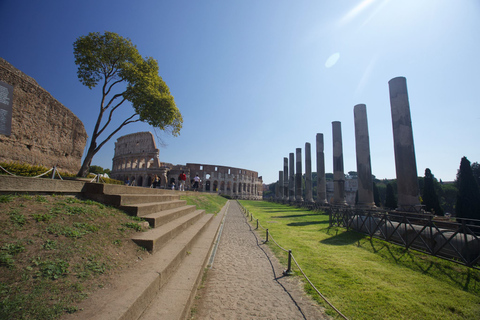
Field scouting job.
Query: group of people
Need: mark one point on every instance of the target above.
(182, 178)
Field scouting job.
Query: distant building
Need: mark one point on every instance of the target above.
(136, 159)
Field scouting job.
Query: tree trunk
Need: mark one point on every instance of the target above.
(88, 159)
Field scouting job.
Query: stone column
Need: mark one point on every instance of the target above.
(285, 178)
(280, 185)
(321, 182)
(405, 163)
(308, 173)
(338, 172)
(364, 166)
(298, 175)
(291, 179)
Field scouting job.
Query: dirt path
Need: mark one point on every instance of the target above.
(246, 281)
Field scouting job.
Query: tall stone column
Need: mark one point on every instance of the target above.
(364, 166)
(405, 163)
(285, 178)
(298, 175)
(308, 173)
(291, 179)
(280, 185)
(321, 182)
(338, 172)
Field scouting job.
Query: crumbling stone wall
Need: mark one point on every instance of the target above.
(44, 132)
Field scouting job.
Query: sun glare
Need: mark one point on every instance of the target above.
(332, 60)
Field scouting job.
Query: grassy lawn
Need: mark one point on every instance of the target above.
(368, 278)
(211, 203)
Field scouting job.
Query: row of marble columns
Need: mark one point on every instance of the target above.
(289, 186)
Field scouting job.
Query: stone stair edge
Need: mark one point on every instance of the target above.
(157, 218)
(174, 301)
(155, 273)
(154, 239)
(142, 209)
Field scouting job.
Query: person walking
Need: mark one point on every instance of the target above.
(196, 181)
(182, 178)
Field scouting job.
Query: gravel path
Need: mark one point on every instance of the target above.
(246, 281)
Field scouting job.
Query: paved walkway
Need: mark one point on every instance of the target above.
(246, 281)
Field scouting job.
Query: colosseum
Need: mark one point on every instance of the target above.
(136, 161)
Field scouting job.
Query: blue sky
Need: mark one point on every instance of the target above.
(256, 79)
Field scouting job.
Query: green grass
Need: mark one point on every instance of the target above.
(211, 203)
(55, 250)
(368, 278)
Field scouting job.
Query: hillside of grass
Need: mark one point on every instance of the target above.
(56, 250)
(368, 278)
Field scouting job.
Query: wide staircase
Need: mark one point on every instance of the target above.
(180, 239)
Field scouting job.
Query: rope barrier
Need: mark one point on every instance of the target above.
(321, 295)
(290, 257)
(40, 175)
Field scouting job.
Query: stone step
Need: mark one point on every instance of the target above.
(175, 299)
(133, 199)
(132, 291)
(154, 239)
(100, 188)
(159, 218)
(144, 209)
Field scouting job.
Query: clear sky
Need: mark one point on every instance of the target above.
(255, 79)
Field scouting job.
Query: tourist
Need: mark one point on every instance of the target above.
(196, 181)
(173, 185)
(156, 182)
(182, 178)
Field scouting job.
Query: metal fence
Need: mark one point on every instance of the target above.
(454, 240)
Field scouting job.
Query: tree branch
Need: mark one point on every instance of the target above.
(124, 123)
(110, 116)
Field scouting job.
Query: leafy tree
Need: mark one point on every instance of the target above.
(449, 196)
(95, 169)
(476, 172)
(429, 196)
(114, 62)
(390, 199)
(468, 196)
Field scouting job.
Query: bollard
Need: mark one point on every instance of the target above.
(257, 223)
(251, 217)
(289, 271)
(266, 237)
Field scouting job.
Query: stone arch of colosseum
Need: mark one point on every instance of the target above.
(234, 182)
(136, 160)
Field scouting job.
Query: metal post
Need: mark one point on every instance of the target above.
(53, 174)
(289, 272)
(257, 223)
(266, 240)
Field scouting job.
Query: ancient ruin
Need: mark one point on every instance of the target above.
(136, 160)
(405, 163)
(364, 166)
(343, 189)
(43, 131)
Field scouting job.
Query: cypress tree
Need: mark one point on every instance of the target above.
(376, 196)
(390, 199)
(468, 196)
(429, 196)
